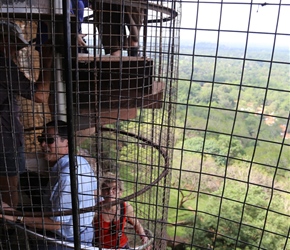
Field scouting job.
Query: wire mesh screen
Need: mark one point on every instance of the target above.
(179, 111)
(230, 167)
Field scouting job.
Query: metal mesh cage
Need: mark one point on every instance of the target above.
(194, 119)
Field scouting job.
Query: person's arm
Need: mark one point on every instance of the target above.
(39, 223)
(35, 222)
(42, 85)
(137, 225)
(81, 42)
(32, 222)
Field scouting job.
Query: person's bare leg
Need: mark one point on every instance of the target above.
(9, 190)
(133, 39)
(134, 44)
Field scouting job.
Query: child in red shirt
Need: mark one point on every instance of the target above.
(110, 222)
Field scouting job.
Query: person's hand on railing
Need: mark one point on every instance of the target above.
(145, 240)
(5, 207)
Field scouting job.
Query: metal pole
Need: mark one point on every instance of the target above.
(70, 114)
(60, 94)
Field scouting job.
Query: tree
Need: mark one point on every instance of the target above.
(185, 177)
(240, 221)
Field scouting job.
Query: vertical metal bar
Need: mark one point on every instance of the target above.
(60, 96)
(69, 103)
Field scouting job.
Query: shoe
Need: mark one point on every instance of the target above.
(133, 51)
(83, 50)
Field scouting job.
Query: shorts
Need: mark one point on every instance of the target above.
(12, 162)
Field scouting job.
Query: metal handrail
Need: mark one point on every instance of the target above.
(143, 5)
(68, 244)
(127, 198)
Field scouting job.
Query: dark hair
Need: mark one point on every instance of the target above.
(59, 126)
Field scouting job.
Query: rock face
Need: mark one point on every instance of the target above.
(33, 114)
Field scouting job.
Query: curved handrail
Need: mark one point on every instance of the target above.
(143, 5)
(82, 247)
(97, 207)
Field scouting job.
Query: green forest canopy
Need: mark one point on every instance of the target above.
(233, 108)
